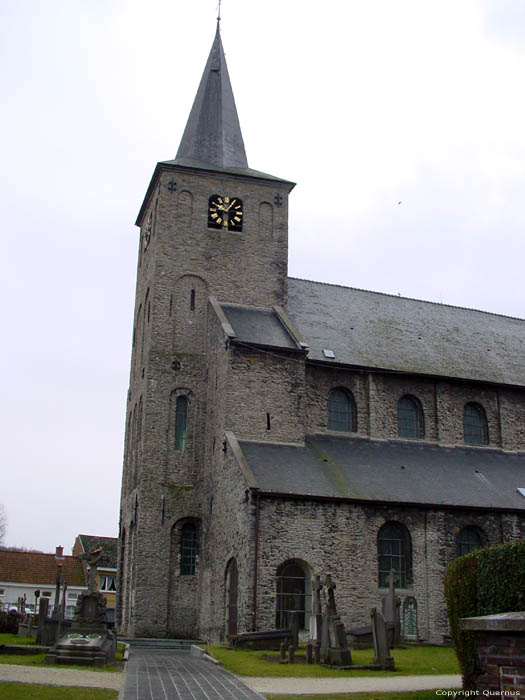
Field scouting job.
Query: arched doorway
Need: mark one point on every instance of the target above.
(232, 587)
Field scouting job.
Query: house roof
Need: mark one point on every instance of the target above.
(109, 549)
(382, 331)
(38, 568)
(389, 471)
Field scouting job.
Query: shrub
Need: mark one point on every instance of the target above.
(485, 582)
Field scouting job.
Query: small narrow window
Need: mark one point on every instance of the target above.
(171, 303)
(149, 310)
(192, 300)
(409, 418)
(475, 431)
(181, 413)
(188, 549)
(268, 424)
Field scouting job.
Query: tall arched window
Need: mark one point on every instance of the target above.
(409, 418)
(181, 416)
(293, 593)
(475, 430)
(394, 551)
(188, 549)
(468, 540)
(341, 411)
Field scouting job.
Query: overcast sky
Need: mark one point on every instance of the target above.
(401, 122)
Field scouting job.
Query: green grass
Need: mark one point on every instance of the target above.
(410, 661)
(7, 638)
(26, 691)
(415, 695)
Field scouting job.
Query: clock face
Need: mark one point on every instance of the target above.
(225, 213)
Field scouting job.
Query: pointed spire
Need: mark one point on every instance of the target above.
(213, 133)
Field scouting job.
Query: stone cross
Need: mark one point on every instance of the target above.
(390, 602)
(391, 605)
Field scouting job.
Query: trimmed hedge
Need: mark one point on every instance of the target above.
(485, 582)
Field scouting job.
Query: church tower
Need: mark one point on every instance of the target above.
(211, 228)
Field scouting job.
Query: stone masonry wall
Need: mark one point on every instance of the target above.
(442, 402)
(229, 534)
(265, 399)
(341, 539)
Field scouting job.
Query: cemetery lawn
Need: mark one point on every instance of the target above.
(27, 691)
(414, 695)
(410, 661)
(7, 638)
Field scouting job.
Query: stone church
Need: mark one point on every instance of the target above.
(279, 428)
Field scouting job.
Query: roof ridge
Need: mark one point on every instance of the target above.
(399, 296)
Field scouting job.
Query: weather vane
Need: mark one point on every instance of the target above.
(219, 11)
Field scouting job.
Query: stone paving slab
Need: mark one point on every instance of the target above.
(361, 684)
(175, 675)
(58, 675)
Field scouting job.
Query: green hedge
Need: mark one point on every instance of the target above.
(485, 582)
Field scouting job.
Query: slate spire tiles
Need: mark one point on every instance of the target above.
(213, 133)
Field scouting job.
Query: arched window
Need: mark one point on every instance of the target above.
(468, 540)
(394, 551)
(409, 418)
(475, 430)
(294, 593)
(188, 549)
(181, 415)
(341, 411)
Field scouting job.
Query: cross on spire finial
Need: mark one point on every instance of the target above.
(219, 12)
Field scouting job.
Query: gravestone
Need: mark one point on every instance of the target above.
(391, 605)
(410, 618)
(382, 656)
(89, 641)
(316, 620)
(293, 621)
(334, 647)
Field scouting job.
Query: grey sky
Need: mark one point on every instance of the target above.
(363, 104)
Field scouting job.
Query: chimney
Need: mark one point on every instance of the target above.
(59, 553)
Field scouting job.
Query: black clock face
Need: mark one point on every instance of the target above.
(225, 213)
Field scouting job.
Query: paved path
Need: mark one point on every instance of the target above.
(58, 675)
(175, 675)
(368, 684)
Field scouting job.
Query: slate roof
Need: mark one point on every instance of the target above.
(109, 546)
(389, 471)
(38, 568)
(258, 326)
(213, 133)
(382, 331)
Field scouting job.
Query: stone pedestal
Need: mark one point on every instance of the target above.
(500, 643)
(88, 642)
